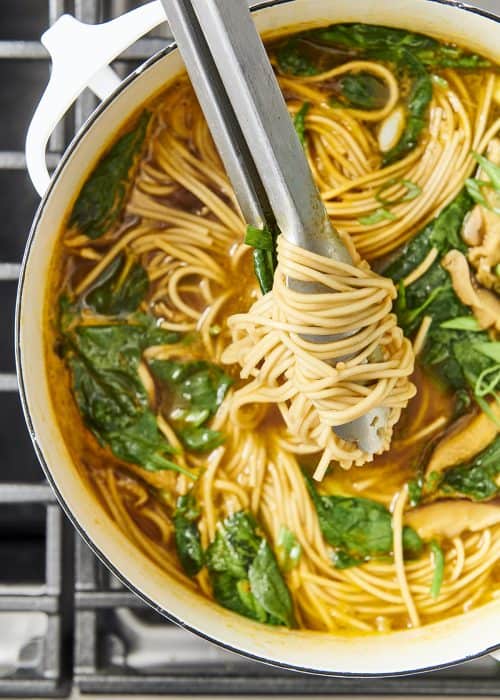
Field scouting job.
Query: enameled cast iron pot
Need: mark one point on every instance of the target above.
(81, 55)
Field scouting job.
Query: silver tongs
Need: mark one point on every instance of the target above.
(250, 124)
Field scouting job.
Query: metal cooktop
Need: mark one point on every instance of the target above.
(65, 623)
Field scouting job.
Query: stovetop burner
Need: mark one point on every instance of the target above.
(65, 622)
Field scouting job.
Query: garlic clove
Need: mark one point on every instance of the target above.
(391, 129)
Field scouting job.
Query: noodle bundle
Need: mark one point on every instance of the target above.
(319, 385)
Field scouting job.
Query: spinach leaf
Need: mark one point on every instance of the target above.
(104, 361)
(342, 560)
(195, 390)
(117, 347)
(299, 123)
(268, 587)
(260, 238)
(200, 439)
(107, 384)
(264, 256)
(431, 295)
(236, 595)
(201, 384)
(293, 61)
(437, 578)
(140, 442)
(443, 355)
(187, 535)
(235, 545)
(359, 527)
(417, 105)
(119, 289)
(100, 202)
(363, 91)
(412, 542)
(369, 37)
(477, 479)
(244, 573)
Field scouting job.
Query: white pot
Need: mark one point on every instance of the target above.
(437, 645)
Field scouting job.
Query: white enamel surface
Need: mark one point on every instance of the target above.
(440, 644)
(80, 55)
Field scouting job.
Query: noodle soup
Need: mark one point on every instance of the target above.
(153, 290)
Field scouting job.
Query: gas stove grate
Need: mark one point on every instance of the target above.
(65, 621)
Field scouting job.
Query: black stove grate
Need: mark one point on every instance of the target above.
(65, 621)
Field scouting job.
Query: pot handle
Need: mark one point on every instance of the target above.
(81, 54)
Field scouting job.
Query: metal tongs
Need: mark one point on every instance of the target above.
(250, 124)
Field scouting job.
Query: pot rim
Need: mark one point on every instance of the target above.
(79, 527)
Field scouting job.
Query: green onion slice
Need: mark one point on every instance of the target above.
(412, 191)
(377, 216)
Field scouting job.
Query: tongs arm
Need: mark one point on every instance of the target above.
(216, 106)
(264, 159)
(240, 95)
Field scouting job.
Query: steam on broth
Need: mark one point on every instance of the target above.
(153, 289)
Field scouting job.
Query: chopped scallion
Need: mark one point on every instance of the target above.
(475, 187)
(439, 81)
(462, 323)
(260, 238)
(299, 122)
(437, 579)
(412, 191)
(377, 216)
(487, 381)
(490, 350)
(491, 170)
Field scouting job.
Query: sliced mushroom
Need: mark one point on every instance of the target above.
(485, 256)
(451, 518)
(485, 305)
(472, 231)
(468, 437)
(487, 311)
(456, 264)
